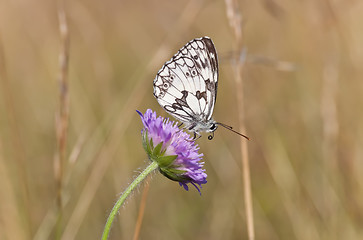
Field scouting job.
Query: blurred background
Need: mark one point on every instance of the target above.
(303, 110)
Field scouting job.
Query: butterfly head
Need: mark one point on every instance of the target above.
(208, 126)
(212, 126)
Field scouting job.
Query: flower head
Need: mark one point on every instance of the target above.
(174, 150)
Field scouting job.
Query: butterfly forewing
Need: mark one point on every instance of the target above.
(186, 86)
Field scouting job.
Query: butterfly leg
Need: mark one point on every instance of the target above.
(181, 129)
(196, 136)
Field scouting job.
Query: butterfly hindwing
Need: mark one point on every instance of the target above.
(186, 86)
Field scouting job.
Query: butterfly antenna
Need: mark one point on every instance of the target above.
(231, 129)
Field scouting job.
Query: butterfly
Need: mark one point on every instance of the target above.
(186, 86)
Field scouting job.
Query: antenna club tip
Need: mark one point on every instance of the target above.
(246, 137)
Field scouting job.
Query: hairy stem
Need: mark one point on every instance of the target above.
(153, 165)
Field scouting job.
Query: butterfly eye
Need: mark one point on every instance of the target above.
(213, 127)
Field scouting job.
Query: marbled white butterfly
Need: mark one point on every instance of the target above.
(186, 86)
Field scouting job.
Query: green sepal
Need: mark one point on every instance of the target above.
(162, 152)
(157, 150)
(174, 174)
(151, 143)
(165, 161)
(148, 143)
(145, 142)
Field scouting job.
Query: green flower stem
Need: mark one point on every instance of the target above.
(124, 195)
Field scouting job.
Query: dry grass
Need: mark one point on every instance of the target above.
(302, 93)
(234, 16)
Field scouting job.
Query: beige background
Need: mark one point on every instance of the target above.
(303, 110)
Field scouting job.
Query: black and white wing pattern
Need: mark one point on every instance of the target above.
(186, 86)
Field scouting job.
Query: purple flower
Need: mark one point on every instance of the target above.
(174, 150)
